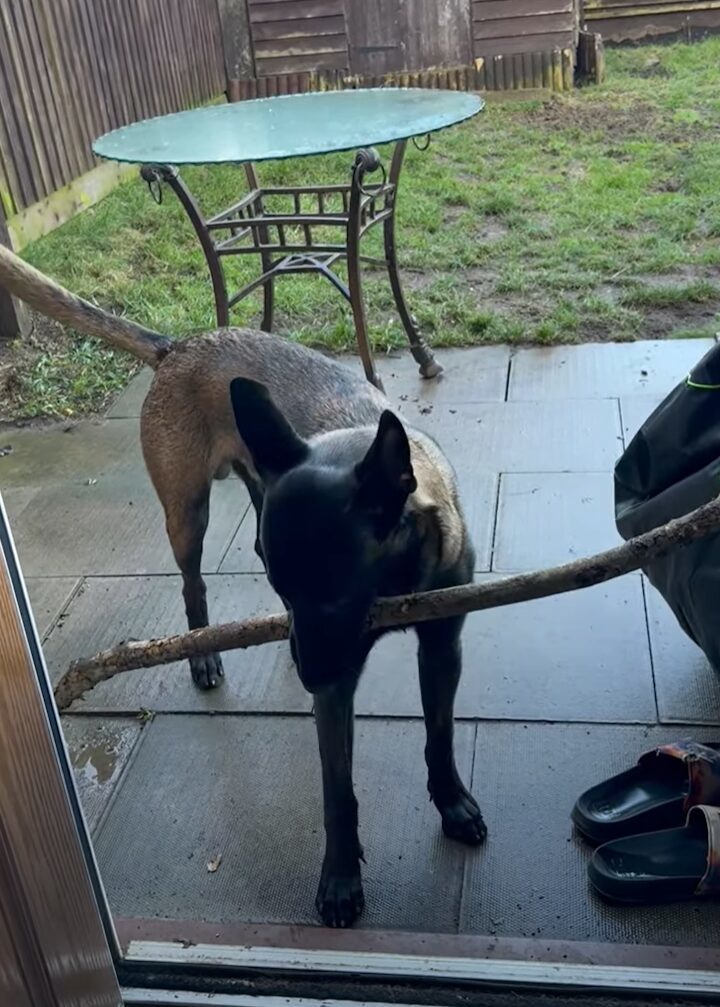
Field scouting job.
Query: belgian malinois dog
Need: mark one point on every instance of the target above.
(351, 504)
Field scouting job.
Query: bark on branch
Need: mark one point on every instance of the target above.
(85, 674)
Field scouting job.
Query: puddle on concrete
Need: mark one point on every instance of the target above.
(99, 750)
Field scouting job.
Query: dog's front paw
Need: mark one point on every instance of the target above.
(462, 818)
(207, 670)
(340, 899)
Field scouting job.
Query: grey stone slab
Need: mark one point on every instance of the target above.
(129, 402)
(529, 880)
(469, 375)
(108, 610)
(70, 453)
(115, 525)
(688, 690)
(578, 656)
(478, 492)
(549, 518)
(635, 411)
(99, 749)
(576, 436)
(603, 370)
(248, 790)
(48, 596)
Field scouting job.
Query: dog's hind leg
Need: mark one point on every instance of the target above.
(340, 897)
(440, 665)
(186, 523)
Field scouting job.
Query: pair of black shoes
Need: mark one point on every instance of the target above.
(658, 826)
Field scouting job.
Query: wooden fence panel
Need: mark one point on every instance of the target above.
(521, 26)
(630, 20)
(291, 36)
(71, 70)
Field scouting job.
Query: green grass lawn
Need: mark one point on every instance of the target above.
(594, 216)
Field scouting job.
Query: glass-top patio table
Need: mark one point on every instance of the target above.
(280, 223)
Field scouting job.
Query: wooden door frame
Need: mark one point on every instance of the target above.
(57, 943)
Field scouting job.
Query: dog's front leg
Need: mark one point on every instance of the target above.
(440, 665)
(340, 896)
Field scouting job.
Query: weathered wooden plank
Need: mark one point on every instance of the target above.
(285, 10)
(522, 26)
(615, 27)
(437, 34)
(300, 46)
(646, 7)
(236, 39)
(493, 9)
(298, 27)
(294, 64)
(509, 45)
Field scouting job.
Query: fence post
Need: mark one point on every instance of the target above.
(237, 44)
(14, 316)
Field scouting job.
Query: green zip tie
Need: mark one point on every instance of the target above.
(703, 388)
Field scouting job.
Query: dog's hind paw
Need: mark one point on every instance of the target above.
(340, 900)
(462, 819)
(207, 670)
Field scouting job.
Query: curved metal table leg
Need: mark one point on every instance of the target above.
(153, 173)
(265, 257)
(429, 366)
(365, 161)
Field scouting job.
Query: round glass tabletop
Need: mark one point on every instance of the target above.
(287, 126)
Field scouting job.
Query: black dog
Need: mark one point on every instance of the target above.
(350, 506)
(344, 518)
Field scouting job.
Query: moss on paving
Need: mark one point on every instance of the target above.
(590, 216)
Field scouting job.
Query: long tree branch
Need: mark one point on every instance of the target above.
(403, 610)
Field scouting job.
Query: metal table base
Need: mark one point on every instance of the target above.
(286, 242)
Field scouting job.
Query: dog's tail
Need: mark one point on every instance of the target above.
(47, 297)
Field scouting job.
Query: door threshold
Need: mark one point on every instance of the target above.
(392, 956)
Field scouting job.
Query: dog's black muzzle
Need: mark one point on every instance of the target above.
(325, 645)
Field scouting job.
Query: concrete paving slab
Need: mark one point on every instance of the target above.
(550, 518)
(99, 749)
(470, 375)
(578, 656)
(70, 453)
(248, 789)
(635, 411)
(129, 402)
(109, 610)
(577, 436)
(529, 880)
(478, 493)
(688, 690)
(48, 596)
(115, 525)
(603, 370)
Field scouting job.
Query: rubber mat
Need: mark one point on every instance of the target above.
(247, 790)
(530, 878)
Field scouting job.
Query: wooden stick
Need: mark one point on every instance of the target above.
(400, 611)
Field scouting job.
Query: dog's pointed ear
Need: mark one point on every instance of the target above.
(274, 446)
(385, 475)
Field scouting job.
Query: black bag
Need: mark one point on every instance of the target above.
(670, 467)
